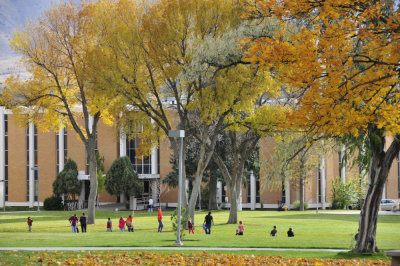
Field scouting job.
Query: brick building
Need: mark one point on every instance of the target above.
(23, 148)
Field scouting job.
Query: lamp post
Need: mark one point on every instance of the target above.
(35, 168)
(179, 134)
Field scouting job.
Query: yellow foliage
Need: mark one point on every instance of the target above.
(343, 62)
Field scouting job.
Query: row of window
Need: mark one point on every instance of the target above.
(36, 174)
(6, 156)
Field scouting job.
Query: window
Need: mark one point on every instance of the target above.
(35, 144)
(319, 183)
(6, 156)
(257, 189)
(341, 162)
(141, 163)
(58, 150)
(283, 193)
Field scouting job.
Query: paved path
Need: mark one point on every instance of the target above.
(167, 248)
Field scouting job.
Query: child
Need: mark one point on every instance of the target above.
(121, 225)
(30, 224)
(109, 225)
(190, 226)
(240, 230)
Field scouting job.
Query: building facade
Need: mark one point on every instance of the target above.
(30, 161)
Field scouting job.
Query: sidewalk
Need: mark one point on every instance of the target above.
(167, 248)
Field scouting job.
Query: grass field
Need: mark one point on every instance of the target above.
(336, 231)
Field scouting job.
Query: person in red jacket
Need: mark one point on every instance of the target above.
(190, 226)
(30, 221)
(73, 220)
(121, 225)
(160, 222)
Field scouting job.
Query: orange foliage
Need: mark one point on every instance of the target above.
(342, 59)
(144, 257)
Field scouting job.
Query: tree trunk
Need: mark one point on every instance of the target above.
(91, 157)
(381, 162)
(212, 199)
(234, 204)
(301, 193)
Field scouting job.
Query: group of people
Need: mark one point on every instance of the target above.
(129, 223)
(74, 221)
(208, 222)
(274, 232)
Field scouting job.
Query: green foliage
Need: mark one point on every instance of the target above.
(122, 178)
(53, 203)
(184, 222)
(296, 205)
(67, 181)
(348, 194)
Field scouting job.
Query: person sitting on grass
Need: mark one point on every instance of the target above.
(240, 229)
(290, 233)
(274, 232)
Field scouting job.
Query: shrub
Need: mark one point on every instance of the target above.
(296, 205)
(184, 222)
(53, 203)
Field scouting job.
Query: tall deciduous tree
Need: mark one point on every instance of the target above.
(344, 65)
(59, 51)
(162, 74)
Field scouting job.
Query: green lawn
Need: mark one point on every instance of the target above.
(312, 230)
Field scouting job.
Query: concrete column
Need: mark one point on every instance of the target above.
(219, 192)
(323, 182)
(31, 164)
(252, 191)
(61, 147)
(154, 161)
(2, 157)
(82, 194)
(90, 123)
(287, 192)
(122, 143)
(240, 203)
(154, 190)
(343, 170)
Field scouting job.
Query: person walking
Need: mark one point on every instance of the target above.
(129, 224)
(82, 220)
(73, 220)
(160, 222)
(240, 229)
(150, 209)
(29, 221)
(190, 226)
(121, 225)
(274, 232)
(109, 225)
(208, 220)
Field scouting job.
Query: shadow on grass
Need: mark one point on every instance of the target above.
(325, 216)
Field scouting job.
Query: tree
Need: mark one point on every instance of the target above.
(167, 75)
(67, 181)
(343, 65)
(60, 51)
(122, 178)
(294, 155)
